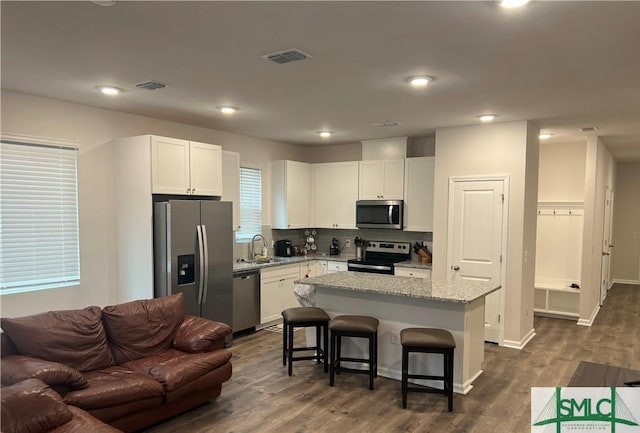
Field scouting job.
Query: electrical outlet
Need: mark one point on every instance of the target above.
(347, 244)
(395, 337)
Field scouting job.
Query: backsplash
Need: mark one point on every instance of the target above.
(324, 236)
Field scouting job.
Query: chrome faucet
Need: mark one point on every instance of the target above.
(252, 255)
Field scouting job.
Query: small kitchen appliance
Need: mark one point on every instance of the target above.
(334, 249)
(379, 214)
(284, 248)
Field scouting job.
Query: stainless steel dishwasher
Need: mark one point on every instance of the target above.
(246, 300)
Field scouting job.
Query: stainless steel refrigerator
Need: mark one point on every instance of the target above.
(193, 254)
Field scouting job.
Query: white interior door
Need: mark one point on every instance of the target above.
(605, 265)
(475, 242)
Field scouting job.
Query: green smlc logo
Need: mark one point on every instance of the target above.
(610, 410)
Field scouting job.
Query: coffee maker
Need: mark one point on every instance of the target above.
(284, 248)
(334, 248)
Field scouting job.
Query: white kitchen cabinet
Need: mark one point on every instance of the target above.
(231, 183)
(335, 192)
(308, 269)
(412, 272)
(381, 180)
(185, 167)
(276, 291)
(291, 194)
(321, 267)
(418, 194)
(336, 267)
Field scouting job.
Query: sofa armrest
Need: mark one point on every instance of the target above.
(16, 368)
(197, 334)
(31, 406)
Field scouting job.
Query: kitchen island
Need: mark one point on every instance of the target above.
(403, 302)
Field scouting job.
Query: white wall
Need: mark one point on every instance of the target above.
(495, 149)
(600, 174)
(626, 223)
(91, 128)
(562, 171)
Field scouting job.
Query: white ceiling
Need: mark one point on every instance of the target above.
(562, 65)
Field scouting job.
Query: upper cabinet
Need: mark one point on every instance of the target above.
(231, 183)
(381, 180)
(418, 194)
(291, 194)
(335, 187)
(185, 167)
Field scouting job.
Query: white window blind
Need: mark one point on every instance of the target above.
(38, 217)
(250, 203)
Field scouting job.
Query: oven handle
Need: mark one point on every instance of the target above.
(373, 267)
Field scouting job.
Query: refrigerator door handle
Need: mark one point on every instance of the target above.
(202, 264)
(205, 281)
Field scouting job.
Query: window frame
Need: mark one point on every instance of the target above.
(245, 239)
(20, 139)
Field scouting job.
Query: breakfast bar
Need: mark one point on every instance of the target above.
(403, 302)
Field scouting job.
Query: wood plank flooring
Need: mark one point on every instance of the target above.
(260, 397)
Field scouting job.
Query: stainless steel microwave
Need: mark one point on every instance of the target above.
(379, 214)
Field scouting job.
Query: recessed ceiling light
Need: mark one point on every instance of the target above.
(545, 136)
(104, 2)
(487, 117)
(109, 90)
(419, 81)
(325, 134)
(510, 4)
(225, 109)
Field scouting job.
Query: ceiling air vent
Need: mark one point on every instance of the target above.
(151, 85)
(386, 124)
(287, 56)
(589, 129)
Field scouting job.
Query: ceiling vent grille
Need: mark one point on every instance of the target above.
(287, 56)
(151, 85)
(588, 129)
(386, 124)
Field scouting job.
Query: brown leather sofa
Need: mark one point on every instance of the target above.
(31, 406)
(129, 365)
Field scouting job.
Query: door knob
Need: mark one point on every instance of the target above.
(605, 254)
(455, 267)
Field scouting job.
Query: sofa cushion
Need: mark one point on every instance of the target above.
(174, 369)
(16, 368)
(72, 337)
(141, 328)
(113, 386)
(31, 407)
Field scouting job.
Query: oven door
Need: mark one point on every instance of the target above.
(371, 268)
(379, 214)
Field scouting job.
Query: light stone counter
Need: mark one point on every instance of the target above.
(462, 291)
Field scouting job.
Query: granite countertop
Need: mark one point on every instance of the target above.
(415, 264)
(281, 261)
(422, 288)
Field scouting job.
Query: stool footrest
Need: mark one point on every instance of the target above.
(427, 389)
(422, 376)
(302, 358)
(300, 349)
(351, 370)
(368, 361)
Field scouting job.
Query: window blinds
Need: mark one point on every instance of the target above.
(38, 217)
(250, 203)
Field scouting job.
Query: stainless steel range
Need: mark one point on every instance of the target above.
(380, 257)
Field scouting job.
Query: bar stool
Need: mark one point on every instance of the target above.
(304, 317)
(427, 340)
(359, 327)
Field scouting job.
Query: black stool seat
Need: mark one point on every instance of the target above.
(305, 317)
(428, 340)
(354, 324)
(358, 327)
(427, 337)
(305, 314)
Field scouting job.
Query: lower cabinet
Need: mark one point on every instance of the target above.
(412, 272)
(276, 291)
(336, 267)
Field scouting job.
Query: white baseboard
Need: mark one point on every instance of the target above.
(589, 321)
(617, 280)
(515, 344)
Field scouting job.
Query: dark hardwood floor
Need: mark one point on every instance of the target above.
(260, 397)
